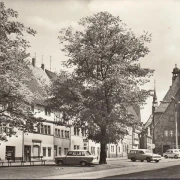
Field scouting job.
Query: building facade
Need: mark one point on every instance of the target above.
(165, 117)
(51, 139)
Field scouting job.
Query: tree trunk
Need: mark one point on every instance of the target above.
(103, 154)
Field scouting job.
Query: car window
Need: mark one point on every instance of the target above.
(167, 151)
(79, 153)
(176, 151)
(148, 151)
(88, 153)
(141, 152)
(83, 153)
(171, 151)
(132, 151)
(69, 153)
(74, 153)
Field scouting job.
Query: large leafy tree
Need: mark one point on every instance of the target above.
(106, 77)
(14, 72)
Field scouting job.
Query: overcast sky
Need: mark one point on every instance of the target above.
(159, 17)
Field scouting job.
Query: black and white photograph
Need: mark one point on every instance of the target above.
(89, 89)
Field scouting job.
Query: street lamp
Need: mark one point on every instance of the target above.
(175, 109)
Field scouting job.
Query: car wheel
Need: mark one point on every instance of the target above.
(148, 159)
(60, 163)
(156, 161)
(142, 160)
(133, 159)
(176, 157)
(83, 163)
(166, 156)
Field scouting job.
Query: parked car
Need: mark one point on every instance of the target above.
(172, 153)
(143, 154)
(77, 157)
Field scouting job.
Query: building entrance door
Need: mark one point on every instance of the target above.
(27, 153)
(10, 152)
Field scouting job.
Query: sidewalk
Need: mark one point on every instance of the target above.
(50, 162)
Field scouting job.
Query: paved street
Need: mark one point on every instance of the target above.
(114, 167)
(170, 172)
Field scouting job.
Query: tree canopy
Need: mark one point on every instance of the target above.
(106, 80)
(14, 71)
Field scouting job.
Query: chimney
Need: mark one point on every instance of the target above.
(42, 66)
(33, 62)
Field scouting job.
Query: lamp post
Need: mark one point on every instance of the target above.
(176, 129)
(153, 126)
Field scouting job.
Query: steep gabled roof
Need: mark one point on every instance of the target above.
(50, 74)
(131, 110)
(171, 92)
(149, 122)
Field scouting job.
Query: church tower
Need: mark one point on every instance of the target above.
(154, 103)
(175, 73)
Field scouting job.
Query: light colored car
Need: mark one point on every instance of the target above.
(172, 153)
(77, 157)
(143, 154)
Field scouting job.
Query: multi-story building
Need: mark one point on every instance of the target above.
(165, 117)
(51, 139)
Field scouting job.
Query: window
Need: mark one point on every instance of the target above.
(74, 146)
(47, 112)
(92, 150)
(49, 130)
(45, 129)
(44, 151)
(171, 133)
(55, 150)
(77, 147)
(49, 152)
(42, 129)
(98, 150)
(112, 148)
(166, 133)
(65, 151)
(58, 132)
(60, 151)
(75, 131)
(62, 133)
(68, 134)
